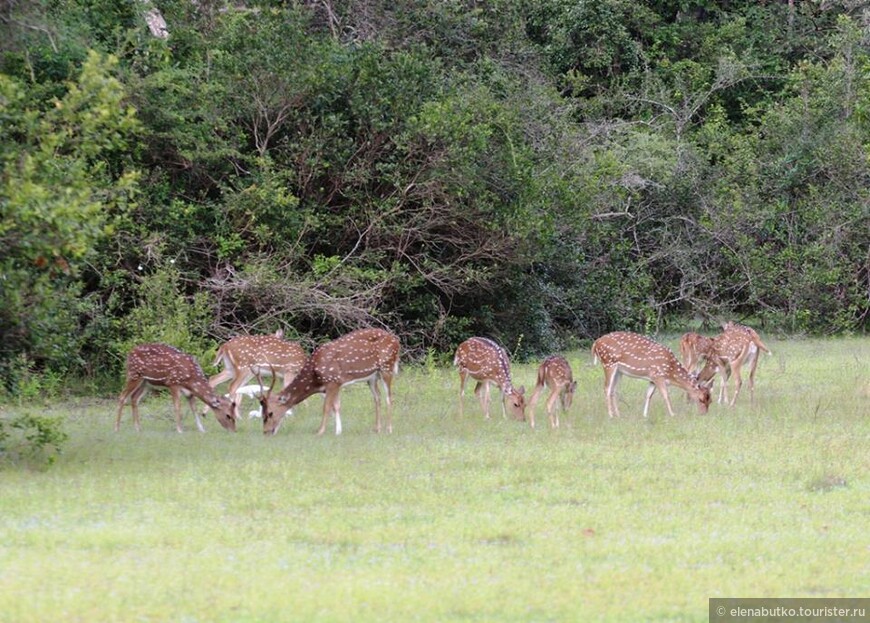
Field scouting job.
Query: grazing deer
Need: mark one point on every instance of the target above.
(555, 373)
(165, 366)
(246, 356)
(369, 355)
(487, 362)
(691, 347)
(628, 353)
(727, 353)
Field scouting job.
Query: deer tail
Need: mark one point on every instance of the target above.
(761, 345)
(219, 356)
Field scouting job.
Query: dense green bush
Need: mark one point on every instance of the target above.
(538, 172)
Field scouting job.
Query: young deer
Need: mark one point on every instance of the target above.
(487, 362)
(727, 353)
(165, 366)
(555, 373)
(628, 353)
(246, 356)
(369, 355)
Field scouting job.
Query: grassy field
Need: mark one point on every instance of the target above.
(454, 519)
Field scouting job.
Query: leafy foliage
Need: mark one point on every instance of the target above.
(31, 438)
(540, 172)
(63, 181)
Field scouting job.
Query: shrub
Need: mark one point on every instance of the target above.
(31, 438)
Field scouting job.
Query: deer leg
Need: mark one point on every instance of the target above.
(481, 390)
(663, 390)
(753, 365)
(649, 392)
(176, 402)
(551, 408)
(129, 389)
(725, 374)
(191, 402)
(387, 380)
(607, 389)
(336, 410)
(330, 404)
(242, 377)
(224, 375)
(533, 400)
(463, 376)
(738, 380)
(327, 409)
(134, 403)
(487, 397)
(530, 411)
(611, 377)
(376, 396)
(503, 409)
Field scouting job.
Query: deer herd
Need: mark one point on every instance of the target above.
(372, 355)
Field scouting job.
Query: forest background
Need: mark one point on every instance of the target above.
(541, 172)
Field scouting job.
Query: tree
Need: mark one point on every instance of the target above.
(64, 179)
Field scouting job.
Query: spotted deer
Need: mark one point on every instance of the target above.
(369, 355)
(486, 362)
(727, 353)
(555, 373)
(165, 366)
(637, 356)
(246, 356)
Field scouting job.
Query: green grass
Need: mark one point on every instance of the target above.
(454, 519)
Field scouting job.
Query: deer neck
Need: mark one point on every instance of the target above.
(507, 386)
(681, 378)
(205, 392)
(303, 385)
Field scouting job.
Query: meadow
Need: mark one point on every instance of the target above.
(451, 519)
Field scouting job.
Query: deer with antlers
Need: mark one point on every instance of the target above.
(165, 366)
(634, 355)
(246, 356)
(727, 353)
(370, 355)
(488, 363)
(555, 373)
